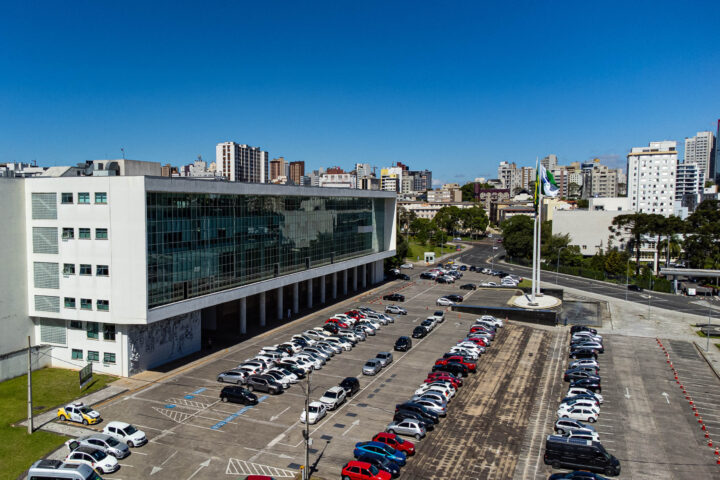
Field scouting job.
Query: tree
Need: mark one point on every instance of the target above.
(468, 192)
(573, 190)
(447, 219)
(616, 262)
(421, 229)
(635, 225)
(518, 236)
(405, 218)
(583, 203)
(702, 243)
(474, 219)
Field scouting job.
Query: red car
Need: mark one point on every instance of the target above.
(444, 377)
(457, 359)
(396, 442)
(258, 477)
(477, 341)
(478, 328)
(355, 314)
(337, 322)
(355, 470)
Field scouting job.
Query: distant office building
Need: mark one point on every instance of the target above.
(514, 178)
(368, 183)
(601, 181)
(715, 164)
(335, 170)
(297, 172)
(422, 180)
(407, 184)
(506, 174)
(445, 195)
(363, 170)
(489, 199)
(651, 177)
(338, 180)
(698, 149)
(314, 177)
(428, 210)
(278, 168)
(391, 179)
(242, 163)
(549, 162)
(689, 183)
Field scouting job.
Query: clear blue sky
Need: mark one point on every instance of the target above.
(455, 87)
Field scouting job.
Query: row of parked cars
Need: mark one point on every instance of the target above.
(576, 443)
(93, 454)
(276, 367)
(383, 457)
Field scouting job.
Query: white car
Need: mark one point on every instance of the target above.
(293, 346)
(584, 362)
(472, 346)
(583, 435)
(298, 363)
(310, 361)
(432, 406)
(333, 398)
(308, 340)
(572, 391)
(444, 302)
(407, 266)
(249, 369)
(586, 338)
(316, 411)
(126, 433)
(446, 392)
(465, 352)
(269, 359)
(584, 414)
(254, 363)
(386, 317)
(289, 376)
(94, 458)
(346, 346)
(593, 336)
(498, 322)
(488, 284)
(580, 402)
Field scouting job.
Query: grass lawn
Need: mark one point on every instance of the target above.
(51, 387)
(525, 283)
(416, 250)
(700, 333)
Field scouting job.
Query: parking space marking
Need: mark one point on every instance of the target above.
(241, 467)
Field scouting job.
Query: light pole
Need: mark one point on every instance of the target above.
(492, 259)
(709, 330)
(627, 278)
(557, 268)
(306, 474)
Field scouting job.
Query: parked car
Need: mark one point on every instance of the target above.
(576, 475)
(454, 368)
(583, 435)
(126, 433)
(428, 325)
(407, 427)
(101, 441)
(316, 411)
(381, 463)
(80, 413)
(372, 367)
(468, 286)
(263, 383)
(237, 394)
(582, 328)
(455, 298)
(427, 424)
(584, 414)
(439, 315)
(578, 373)
(566, 424)
(471, 366)
(598, 347)
(385, 358)
(588, 383)
(562, 452)
(396, 309)
(381, 450)
(444, 302)
(395, 442)
(444, 279)
(583, 353)
(418, 409)
(231, 376)
(394, 297)
(351, 385)
(585, 362)
(431, 406)
(419, 332)
(443, 375)
(334, 397)
(584, 391)
(93, 457)
(403, 344)
(355, 470)
(635, 288)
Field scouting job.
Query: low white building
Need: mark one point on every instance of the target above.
(588, 229)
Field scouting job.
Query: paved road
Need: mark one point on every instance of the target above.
(483, 252)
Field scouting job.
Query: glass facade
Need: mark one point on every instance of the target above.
(201, 243)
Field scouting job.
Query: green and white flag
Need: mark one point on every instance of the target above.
(547, 182)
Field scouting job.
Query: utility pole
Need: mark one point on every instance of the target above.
(29, 391)
(709, 330)
(306, 474)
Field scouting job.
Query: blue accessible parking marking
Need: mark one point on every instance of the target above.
(232, 417)
(171, 405)
(188, 397)
(199, 390)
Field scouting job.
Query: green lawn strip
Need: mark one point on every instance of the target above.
(718, 345)
(700, 333)
(52, 387)
(525, 283)
(416, 250)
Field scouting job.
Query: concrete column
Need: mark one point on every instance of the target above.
(262, 309)
(243, 316)
(280, 303)
(334, 286)
(355, 279)
(310, 293)
(323, 279)
(345, 282)
(296, 297)
(364, 275)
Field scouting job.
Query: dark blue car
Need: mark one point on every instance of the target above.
(578, 475)
(380, 450)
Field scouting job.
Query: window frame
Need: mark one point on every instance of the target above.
(82, 196)
(65, 266)
(85, 266)
(106, 327)
(97, 356)
(83, 230)
(98, 230)
(105, 358)
(96, 198)
(62, 198)
(102, 307)
(106, 268)
(68, 233)
(78, 324)
(73, 303)
(74, 352)
(84, 303)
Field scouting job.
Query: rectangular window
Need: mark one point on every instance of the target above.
(45, 240)
(93, 356)
(86, 304)
(47, 303)
(103, 305)
(68, 233)
(101, 197)
(101, 234)
(77, 354)
(84, 233)
(46, 275)
(92, 330)
(67, 198)
(69, 269)
(108, 357)
(109, 332)
(85, 269)
(75, 324)
(69, 302)
(102, 270)
(83, 198)
(44, 206)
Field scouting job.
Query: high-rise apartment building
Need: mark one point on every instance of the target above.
(363, 170)
(278, 168)
(297, 171)
(651, 177)
(242, 163)
(698, 149)
(506, 174)
(391, 179)
(549, 162)
(715, 156)
(689, 183)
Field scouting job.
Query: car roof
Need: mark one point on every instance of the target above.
(316, 404)
(335, 389)
(87, 449)
(118, 424)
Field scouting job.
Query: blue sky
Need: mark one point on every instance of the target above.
(455, 87)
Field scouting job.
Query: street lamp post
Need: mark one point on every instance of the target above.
(557, 268)
(709, 331)
(627, 278)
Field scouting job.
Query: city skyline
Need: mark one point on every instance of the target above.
(381, 91)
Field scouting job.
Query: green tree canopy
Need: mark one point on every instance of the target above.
(518, 236)
(636, 225)
(474, 219)
(702, 243)
(448, 218)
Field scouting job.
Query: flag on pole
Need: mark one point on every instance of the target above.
(548, 185)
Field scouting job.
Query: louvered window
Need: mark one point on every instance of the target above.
(45, 240)
(52, 331)
(46, 275)
(44, 206)
(47, 303)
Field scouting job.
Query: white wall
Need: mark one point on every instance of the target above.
(587, 229)
(77, 339)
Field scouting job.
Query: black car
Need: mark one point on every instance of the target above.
(401, 415)
(456, 369)
(419, 409)
(419, 332)
(468, 286)
(582, 328)
(442, 279)
(463, 268)
(455, 298)
(589, 383)
(394, 297)
(403, 344)
(635, 288)
(263, 383)
(331, 327)
(427, 276)
(403, 276)
(381, 463)
(236, 394)
(577, 373)
(351, 385)
(577, 475)
(473, 268)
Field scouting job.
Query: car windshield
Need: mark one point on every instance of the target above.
(370, 364)
(112, 442)
(374, 470)
(130, 430)
(98, 454)
(85, 409)
(313, 409)
(330, 394)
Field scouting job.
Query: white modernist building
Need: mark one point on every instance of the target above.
(132, 272)
(242, 163)
(651, 177)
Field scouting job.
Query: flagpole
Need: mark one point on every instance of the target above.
(535, 232)
(539, 239)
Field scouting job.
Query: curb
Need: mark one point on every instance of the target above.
(704, 355)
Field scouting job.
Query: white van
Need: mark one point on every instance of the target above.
(57, 470)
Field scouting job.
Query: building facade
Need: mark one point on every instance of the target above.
(132, 272)
(651, 177)
(689, 184)
(297, 172)
(278, 168)
(489, 199)
(242, 163)
(699, 150)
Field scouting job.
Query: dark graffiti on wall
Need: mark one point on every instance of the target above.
(173, 338)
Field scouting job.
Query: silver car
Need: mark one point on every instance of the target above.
(232, 376)
(385, 358)
(407, 427)
(106, 443)
(372, 367)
